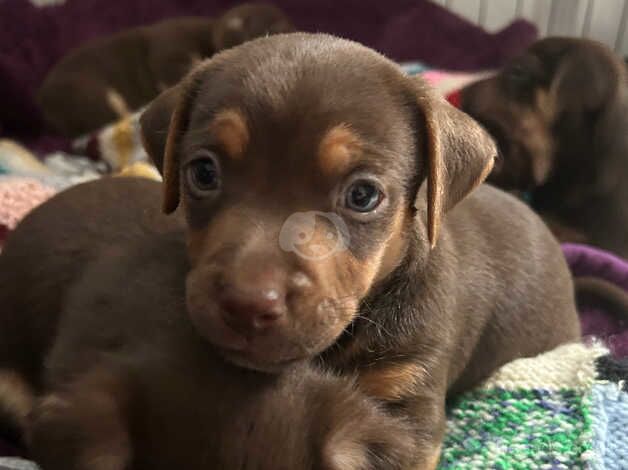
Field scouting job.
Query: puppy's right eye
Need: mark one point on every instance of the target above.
(203, 175)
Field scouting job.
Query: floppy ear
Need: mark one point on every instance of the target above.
(459, 156)
(587, 78)
(162, 125)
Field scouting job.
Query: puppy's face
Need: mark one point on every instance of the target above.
(297, 160)
(540, 103)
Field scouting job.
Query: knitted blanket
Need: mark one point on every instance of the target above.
(566, 409)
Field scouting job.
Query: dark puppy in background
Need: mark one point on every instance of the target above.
(109, 77)
(559, 114)
(331, 210)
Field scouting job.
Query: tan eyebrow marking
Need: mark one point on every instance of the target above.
(230, 128)
(336, 149)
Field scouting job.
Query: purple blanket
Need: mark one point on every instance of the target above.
(32, 39)
(588, 261)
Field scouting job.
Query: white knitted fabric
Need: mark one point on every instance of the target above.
(11, 463)
(569, 366)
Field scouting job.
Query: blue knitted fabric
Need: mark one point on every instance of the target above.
(610, 427)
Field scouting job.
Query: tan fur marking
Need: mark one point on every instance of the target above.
(235, 24)
(395, 245)
(534, 131)
(435, 181)
(336, 149)
(393, 382)
(546, 105)
(485, 172)
(229, 127)
(16, 396)
(432, 462)
(117, 102)
(350, 454)
(123, 140)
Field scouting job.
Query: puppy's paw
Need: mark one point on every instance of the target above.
(362, 436)
(82, 427)
(64, 435)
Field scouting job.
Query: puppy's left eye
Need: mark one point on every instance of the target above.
(203, 175)
(363, 196)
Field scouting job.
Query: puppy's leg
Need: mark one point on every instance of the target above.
(428, 414)
(16, 404)
(359, 434)
(83, 426)
(419, 397)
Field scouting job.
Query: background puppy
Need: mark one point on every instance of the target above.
(112, 76)
(434, 284)
(559, 114)
(130, 383)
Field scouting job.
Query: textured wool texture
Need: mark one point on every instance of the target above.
(18, 196)
(570, 366)
(610, 427)
(554, 411)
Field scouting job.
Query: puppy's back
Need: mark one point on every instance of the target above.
(49, 250)
(507, 255)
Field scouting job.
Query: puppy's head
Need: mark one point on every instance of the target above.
(544, 104)
(297, 160)
(249, 21)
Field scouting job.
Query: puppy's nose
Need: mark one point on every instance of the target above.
(250, 310)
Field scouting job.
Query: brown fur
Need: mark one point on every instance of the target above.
(107, 78)
(452, 278)
(560, 116)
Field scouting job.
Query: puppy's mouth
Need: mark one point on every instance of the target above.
(265, 351)
(250, 361)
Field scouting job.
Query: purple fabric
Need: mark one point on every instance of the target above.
(585, 260)
(32, 39)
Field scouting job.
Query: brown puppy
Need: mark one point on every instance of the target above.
(330, 210)
(559, 114)
(130, 384)
(112, 76)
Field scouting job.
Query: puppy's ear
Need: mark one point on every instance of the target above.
(162, 125)
(587, 79)
(459, 155)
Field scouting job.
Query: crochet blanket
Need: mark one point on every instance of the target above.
(563, 410)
